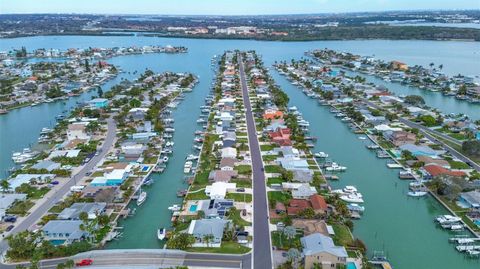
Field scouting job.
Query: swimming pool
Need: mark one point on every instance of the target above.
(193, 208)
(477, 222)
(351, 265)
(145, 169)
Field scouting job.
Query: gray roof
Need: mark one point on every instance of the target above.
(46, 164)
(302, 175)
(215, 227)
(73, 212)
(472, 197)
(317, 243)
(54, 228)
(7, 199)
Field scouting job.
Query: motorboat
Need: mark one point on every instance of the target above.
(165, 159)
(161, 233)
(141, 198)
(191, 157)
(321, 154)
(362, 137)
(417, 193)
(351, 198)
(174, 208)
(356, 207)
(336, 167)
(187, 167)
(447, 219)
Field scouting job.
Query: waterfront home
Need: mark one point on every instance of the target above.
(47, 165)
(8, 199)
(132, 150)
(207, 228)
(216, 208)
(433, 170)
(227, 164)
(271, 114)
(29, 179)
(297, 206)
(228, 152)
(222, 175)
(288, 152)
(428, 160)
(102, 194)
(319, 204)
(114, 178)
(293, 163)
(419, 150)
(77, 131)
(64, 231)
(385, 128)
(399, 138)
(98, 103)
(396, 65)
(64, 153)
(219, 190)
(321, 250)
(470, 199)
(303, 175)
(73, 212)
(303, 191)
(281, 136)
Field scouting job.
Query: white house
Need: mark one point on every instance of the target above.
(77, 131)
(218, 190)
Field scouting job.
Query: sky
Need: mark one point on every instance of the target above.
(225, 7)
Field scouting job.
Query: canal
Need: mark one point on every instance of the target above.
(400, 226)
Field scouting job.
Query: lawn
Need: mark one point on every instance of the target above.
(458, 165)
(244, 169)
(342, 234)
(273, 169)
(269, 158)
(274, 180)
(226, 248)
(280, 241)
(242, 183)
(20, 208)
(267, 147)
(197, 196)
(237, 219)
(239, 197)
(278, 196)
(31, 191)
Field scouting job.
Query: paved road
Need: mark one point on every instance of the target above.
(262, 247)
(39, 211)
(428, 133)
(155, 258)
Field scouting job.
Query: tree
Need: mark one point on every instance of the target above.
(99, 92)
(428, 120)
(290, 232)
(207, 238)
(5, 185)
(293, 255)
(414, 100)
(87, 65)
(181, 241)
(471, 147)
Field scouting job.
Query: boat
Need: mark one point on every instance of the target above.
(351, 198)
(336, 167)
(161, 233)
(191, 157)
(321, 154)
(362, 137)
(187, 167)
(165, 159)
(356, 207)
(417, 193)
(405, 175)
(447, 219)
(373, 146)
(24, 156)
(174, 208)
(141, 198)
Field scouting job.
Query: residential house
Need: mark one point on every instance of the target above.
(207, 228)
(399, 138)
(216, 208)
(271, 114)
(8, 199)
(321, 250)
(419, 150)
(47, 164)
(297, 206)
(98, 103)
(470, 199)
(77, 131)
(428, 160)
(64, 231)
(281, 136)
(73, 212)
(229, 153)
(227, 164)
(219, 190)
(319, 204)
(28, 179)
(222, 175)
(434, 170)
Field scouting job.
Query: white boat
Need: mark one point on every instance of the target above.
(321, 154)
(447, 219)
(174, 208)
(165, 159)
(141, 198)
(351, 198)
(187, 167)
(362, 138)
(336, 167)
(417, 193)
(191, 157)
(161, 233)
(355, 207)
(456, 227)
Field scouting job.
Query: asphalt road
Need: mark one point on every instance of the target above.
(262, 248)
(38, 212)
(156, 258)
(428, 133)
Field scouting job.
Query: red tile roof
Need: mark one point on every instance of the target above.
(318, 202)
(435, 170)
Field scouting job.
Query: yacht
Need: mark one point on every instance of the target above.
(447, 219)
(174, 208)
(373, 146)
(336, 167)
(356, 207)
(161, 233)
(417, 193)
(24, 156)
(191, 157)
(165, 159)
(348, 190)
(187, 167)
(141, 198)
(351, 198)
(321, 154)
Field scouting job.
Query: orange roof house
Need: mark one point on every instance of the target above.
(399, 66)
(272, 114)
(318, 204)
(436, 170)
(281, 136)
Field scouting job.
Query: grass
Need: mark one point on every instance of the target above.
(32, 192)
(244, 169)
(278, 196)
(342, 235)
(274, 180)
(237, 219)
(273, 169)
(225, 248)
(197, 196)
(269, 158)
(20, 208)
(242, 183)
(239, 197)
(267, 147)
(241, 134)
(280, 241)
(458, 165)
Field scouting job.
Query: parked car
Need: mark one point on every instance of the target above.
(9, 228)
(9, 218)
(84, 262)
(240, 189)
(55, 182)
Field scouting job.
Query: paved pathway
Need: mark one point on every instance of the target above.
(262, 248)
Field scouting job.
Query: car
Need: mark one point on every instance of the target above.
(241, 190)
(9, 218)
(9, 228)
(97, 153)
(84, 262)
(54, 182)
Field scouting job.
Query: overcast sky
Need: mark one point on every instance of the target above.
(225, 7)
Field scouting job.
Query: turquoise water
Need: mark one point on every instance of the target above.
(351, 265)
(193, 208)
(401, 226)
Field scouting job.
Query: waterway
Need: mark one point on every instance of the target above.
(401, 226)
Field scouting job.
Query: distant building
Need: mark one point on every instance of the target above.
(98, 103)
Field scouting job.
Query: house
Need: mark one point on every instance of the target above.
(396, 65)
(419, 150)
(101, 194)
(227, 164)
(434, 170)
(207, 228)
(113, 178)
(281, 136)
(302, 175)
(77, 131)
(297, 206)
(293, 163)
(399, 138)
(428, 160)
(98, 103)
(222, 175)
(29, 178)
(64, 153)
(303, 192)
(271, 114)
(8, 199)
(470, 199)
(132, 150)
(320, 249)
(64, 231)
(47, 165)
(73, 212)
(219, 190)
(229, 153)
(216, 208)
(319, 204)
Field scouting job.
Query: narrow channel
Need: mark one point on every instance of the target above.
(403, 227)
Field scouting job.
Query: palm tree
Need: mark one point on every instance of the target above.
(207, 239)
(5, 185)
(293, 255)
(290, 232)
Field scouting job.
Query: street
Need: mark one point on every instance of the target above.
(262, 248)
